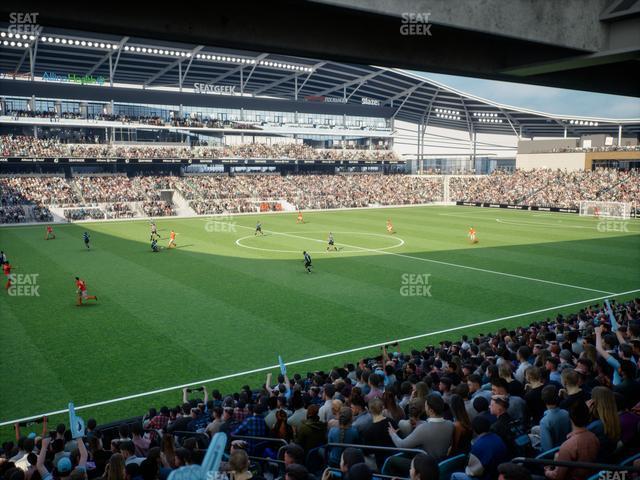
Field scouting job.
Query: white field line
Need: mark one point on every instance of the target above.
(449, 264)
(311, 359)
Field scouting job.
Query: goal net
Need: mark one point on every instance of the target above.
(589, 208)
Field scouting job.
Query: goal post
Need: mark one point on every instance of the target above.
(592, 208)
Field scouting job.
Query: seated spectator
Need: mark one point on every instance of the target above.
(343, 433)
(415, 410)
(555, 424)
(239, 465)
(423, 467)
(434, 436)
(487, 452)
(581, 446)
(377, 433)
(312, 432)
(605, 421)
(462, 431)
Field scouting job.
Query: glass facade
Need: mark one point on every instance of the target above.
(168, 112)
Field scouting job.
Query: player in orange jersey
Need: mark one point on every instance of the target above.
(472, 235)
(299, 219)
(172, 240)
(50, 233)
(81, 291)
(6, 269)
(390, 226)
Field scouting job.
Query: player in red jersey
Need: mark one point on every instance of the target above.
(50, 235)
(82, 292)
(6, 269)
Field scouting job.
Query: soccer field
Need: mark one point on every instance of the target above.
(226, 301)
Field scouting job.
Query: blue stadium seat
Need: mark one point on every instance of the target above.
(548, 455)
(452, 465)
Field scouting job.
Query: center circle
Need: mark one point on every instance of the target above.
(296, 236)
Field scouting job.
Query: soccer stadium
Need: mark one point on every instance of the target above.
(234, 250)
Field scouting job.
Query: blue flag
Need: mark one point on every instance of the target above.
(208, 470)
(76, 423)
(283, 367)
(612, 317)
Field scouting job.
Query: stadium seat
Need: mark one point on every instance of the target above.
(452, 465)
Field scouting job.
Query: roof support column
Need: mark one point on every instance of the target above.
(619, 136)
(565, 132)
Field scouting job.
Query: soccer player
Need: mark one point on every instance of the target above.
(85, 237)
(596, 212)
(154, 231)
(307, 262)
(299, 219)
(154, 245)
(331, 243)
(172, 240)
(3, 258)
(82, 292)
(6, 269)
(50, 233)
(390, 226)
(258, 229)
(472, 235)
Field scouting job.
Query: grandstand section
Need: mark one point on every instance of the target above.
(306, 267)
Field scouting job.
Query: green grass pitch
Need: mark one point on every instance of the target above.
(225, 301)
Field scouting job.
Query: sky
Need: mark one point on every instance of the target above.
(544, 99)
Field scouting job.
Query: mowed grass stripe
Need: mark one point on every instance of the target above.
(211, 307)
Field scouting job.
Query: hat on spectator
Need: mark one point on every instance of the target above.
(64, 465)
(566, 355)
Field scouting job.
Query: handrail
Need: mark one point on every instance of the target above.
(375, 475)
(583, 465)
(263, 439)
(381, 449)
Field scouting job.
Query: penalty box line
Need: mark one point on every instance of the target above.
(311, 359)
(440, 262)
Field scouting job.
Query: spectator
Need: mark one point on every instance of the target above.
(581, 446)
(487, 452)
(555, 424)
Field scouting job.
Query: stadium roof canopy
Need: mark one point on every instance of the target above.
(135, 62)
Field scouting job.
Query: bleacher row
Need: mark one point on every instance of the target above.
(558, 399)
(22, 146)
(211, 194)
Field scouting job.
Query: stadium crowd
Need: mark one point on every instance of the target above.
(567, 386)
(548, 187)
(309, 191)
(22, 146)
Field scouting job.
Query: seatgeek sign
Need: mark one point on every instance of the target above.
(208, 88)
